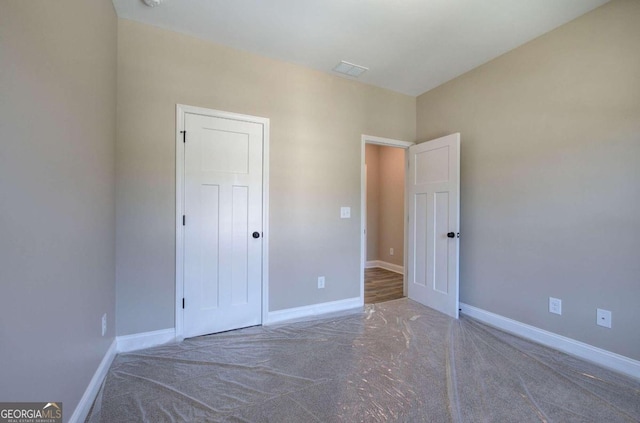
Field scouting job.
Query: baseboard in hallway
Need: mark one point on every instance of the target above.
(384, 265)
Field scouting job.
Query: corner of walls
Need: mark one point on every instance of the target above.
(391, 215)
(84, 405)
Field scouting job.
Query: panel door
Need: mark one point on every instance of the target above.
(223, 209)
(433, 184)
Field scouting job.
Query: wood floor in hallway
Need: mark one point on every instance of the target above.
(381, 285)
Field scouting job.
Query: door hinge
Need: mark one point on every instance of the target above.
(182, 302)
(184, 220)
(184, 136)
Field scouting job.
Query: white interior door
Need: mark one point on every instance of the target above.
(223, 224)
(433, 185)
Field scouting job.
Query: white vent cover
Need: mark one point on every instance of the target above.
(153, 3)
(350, 69)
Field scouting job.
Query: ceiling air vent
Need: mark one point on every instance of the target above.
(350, 69)
(153, 3)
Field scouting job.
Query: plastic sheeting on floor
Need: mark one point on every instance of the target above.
(396, 361)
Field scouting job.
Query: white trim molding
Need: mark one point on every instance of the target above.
(139, 341)
(389, 142)
(570, 346)
(313, 310)
(120, 344)
(384, 265)
(181, 110)
(82, 409)
(371, 264)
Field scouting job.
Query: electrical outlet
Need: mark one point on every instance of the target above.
(555, 305)
(104, 324)
(390, 251)
(603, 318)
(320, 282)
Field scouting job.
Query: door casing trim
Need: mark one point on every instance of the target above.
(181, 110)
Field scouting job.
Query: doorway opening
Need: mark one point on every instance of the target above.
(384, 240)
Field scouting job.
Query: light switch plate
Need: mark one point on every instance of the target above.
(345, 212)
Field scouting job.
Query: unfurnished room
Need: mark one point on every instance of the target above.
(319, 211)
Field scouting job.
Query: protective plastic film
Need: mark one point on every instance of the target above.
(395, 361)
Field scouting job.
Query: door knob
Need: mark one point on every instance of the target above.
(256, 235)
(451, 235)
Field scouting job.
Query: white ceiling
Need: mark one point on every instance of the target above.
(409, 46)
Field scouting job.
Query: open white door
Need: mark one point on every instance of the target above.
(433, 185)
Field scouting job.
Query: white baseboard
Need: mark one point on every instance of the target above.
(385, 265)
(280, 316)
(570, 346)
(371, 264)
(139, 341)
(82, 409)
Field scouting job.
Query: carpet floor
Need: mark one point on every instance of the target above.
(395, 361)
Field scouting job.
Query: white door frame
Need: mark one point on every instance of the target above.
(387, 142)
(181, 109)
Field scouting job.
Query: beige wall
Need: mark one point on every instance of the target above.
(316, 125)
(385, 203)
(57, 191)
(550, 174)
(372, 160)
(391, 222)
(550, 193)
